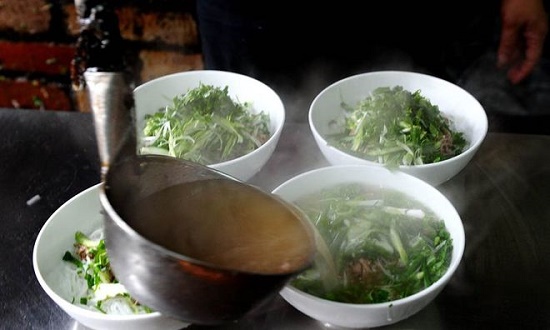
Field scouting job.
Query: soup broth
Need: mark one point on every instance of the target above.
(226, 223)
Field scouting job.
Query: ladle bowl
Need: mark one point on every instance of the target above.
(185, 239)
(196, 244)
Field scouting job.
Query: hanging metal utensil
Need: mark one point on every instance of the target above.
(99, 68)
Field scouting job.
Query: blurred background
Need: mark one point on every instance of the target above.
(38, 40)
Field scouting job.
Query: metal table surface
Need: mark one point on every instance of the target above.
(503, 197)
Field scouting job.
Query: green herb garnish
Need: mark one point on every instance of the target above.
(396, 127)
(207, 126)
(93, 266)
(384, 245)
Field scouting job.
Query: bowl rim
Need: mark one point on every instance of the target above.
(471, 148)
(280, 105)
(458, 236)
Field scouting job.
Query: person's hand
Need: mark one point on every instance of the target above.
(524, 28)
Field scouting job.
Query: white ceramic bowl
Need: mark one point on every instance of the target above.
(159, 92)
(82, 212)
(379, 314)
(455, 103)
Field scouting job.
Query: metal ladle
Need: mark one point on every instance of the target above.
(187, 282)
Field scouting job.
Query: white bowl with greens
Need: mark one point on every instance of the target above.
(388, 244)
(225, 120)
(96, 300)
(423, 125)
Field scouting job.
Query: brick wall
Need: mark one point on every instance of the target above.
(37, 44)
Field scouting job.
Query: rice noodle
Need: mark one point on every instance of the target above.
(113, 298)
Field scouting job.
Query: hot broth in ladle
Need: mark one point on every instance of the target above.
(196, 244)
(224, 223)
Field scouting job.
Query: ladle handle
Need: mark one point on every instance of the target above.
(112, 104)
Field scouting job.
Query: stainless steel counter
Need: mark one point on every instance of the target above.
(503, 197)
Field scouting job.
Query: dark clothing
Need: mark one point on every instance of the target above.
(253, 36)
(298, 51)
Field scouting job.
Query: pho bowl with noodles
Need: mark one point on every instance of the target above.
(388, 243)
(225, 120)
(420, 124)
(108, 307)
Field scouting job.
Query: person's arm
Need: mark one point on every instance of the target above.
(524, 29)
